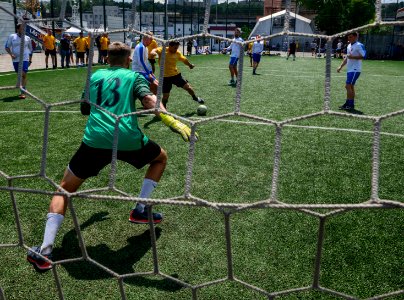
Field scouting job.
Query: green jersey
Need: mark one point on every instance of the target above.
(115, 89)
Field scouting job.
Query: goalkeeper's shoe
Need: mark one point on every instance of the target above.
(40, 264)
(142, 217)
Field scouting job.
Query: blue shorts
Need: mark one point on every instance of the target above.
(256, 57)
(351, 77)
(233, 61)
(25, 65)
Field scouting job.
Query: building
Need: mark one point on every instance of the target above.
(6, 24)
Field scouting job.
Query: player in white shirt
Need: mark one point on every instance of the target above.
(12, 47)
(257, 49)
(355, 54)
(140, 62)
(235, 49)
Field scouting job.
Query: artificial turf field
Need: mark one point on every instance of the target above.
(273, 249)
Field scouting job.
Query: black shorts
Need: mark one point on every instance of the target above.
(89, 161)
(152, 61)
(51, 52)
(177, 80)
(104, 53)
(80, 55)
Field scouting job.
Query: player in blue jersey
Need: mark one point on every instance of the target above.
(235, 48)
(114, 90)
(355, 54)
(140, 62)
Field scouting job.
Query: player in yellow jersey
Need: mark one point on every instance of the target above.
(152, 60)
(49, 43)
(171, 73)
(81, 45)
(104, 41)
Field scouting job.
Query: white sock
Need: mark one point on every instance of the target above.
(53, 223)
(147, 188)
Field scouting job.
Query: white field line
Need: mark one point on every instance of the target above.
(278, 73)
(236, 122)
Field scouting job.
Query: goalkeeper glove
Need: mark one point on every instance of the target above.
(177, 127)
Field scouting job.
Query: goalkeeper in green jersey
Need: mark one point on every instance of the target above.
(113, 91)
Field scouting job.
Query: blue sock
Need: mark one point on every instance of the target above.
(350, 102)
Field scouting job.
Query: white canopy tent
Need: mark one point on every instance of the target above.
(274, 23)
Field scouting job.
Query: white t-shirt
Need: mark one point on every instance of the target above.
(355, 49)
(258, 47)
(14, 43)
(140, 62)
(235, 48)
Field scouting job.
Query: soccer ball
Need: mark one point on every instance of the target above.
(201, 110)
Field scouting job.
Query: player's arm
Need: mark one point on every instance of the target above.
(342, 64)
(185, 61)
(31, 51)
(8, 50)
(149, 102)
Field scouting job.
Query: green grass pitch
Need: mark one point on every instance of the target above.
(274, 250)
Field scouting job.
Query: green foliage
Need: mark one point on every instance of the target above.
(334, 16)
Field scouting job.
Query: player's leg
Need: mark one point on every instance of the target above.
(156, 158)
(349, 104)
(191, 91)
(24, 79)
(53, 57)
(164, 100)
(180, 82)
(46, 57)
(54, 220)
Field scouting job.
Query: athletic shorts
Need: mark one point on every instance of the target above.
(51, 52)
(152, 61)
(80, 55)
(233, 61)
(104, 53)
(256, 57)
(88, 161)
(25, 65)
(351, 77)
(177, 80)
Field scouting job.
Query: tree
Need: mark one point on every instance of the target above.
(335, 16)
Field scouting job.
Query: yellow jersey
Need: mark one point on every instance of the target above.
(88, 41)
(104, 41)
(153, 45)
(49, 42)
(170, 66)
(81, 44)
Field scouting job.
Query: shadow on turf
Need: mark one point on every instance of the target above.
(120, 261)
(11, 99)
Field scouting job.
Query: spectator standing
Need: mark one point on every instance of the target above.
(65, 46)
(12, 47)
(49, 43)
